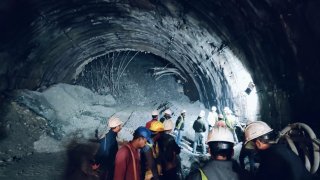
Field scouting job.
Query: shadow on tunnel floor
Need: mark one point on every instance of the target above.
(3, 111)
(79, 158)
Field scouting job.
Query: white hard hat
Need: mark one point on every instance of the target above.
(183, 111)
(202, 113)
(155, 113)
(213, 108)
(226, 108)
(221, 134)
(256, 129)
(114, 122)
(167, 111)
(168, 124)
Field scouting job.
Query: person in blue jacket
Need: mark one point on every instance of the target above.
(105, 157)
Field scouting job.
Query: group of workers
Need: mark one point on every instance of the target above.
(153, 153)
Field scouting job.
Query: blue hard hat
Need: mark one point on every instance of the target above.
(143, 132)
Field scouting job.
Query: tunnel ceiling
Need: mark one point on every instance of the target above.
(46, 42)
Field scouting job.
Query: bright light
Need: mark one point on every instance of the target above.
(240, 79)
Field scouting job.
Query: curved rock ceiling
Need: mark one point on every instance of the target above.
(218, 46)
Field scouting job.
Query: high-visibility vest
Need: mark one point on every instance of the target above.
(180, 123)
(203, 176)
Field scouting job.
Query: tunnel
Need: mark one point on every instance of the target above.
(259, 58)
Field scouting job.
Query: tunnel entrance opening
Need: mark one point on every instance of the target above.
(136, 77)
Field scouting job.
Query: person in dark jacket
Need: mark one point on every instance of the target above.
(276, 160)
(200, 128)
(220, 167)
(108, 148)
(169, 153)
(180, 126)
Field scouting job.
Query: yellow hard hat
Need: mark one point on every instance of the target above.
(156, 126)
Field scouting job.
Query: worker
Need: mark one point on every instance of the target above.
(212, 117)
(229, 118)
(200, 128)
(220, 165)
(179, 128)
(154, 116)
(150, 163)
(105, 157)
(276, 160)
(221, 122)
(167, 115)
(169, 153)
(127, 163)
(231, 122)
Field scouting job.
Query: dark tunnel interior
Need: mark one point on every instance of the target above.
(149, 54)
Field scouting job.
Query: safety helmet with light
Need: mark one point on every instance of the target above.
(221, 142)
(156, 126)
(114, 122)
(255, 130)
(221, 134)
(168, 124)
(155, 113)
(167, 111)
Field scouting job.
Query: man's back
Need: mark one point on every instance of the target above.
(278, 162)
(199, 125)
(216, 170)
(125, 166)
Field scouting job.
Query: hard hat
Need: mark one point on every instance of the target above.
(227, 110)
(256, 129)
(143, 132)
(114, 122)
(167, 111)
(156, 126)
(220, 116)
(168, 125)
(155, 113)
(221, 134)
(213, 108)
(202, 113)
(183, 111)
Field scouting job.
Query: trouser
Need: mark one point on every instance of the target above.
(199, 139)
(179, 137)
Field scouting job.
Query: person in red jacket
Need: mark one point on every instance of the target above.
(127, 163)
(155, 115)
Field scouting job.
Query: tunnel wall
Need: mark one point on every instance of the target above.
(47, 41)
